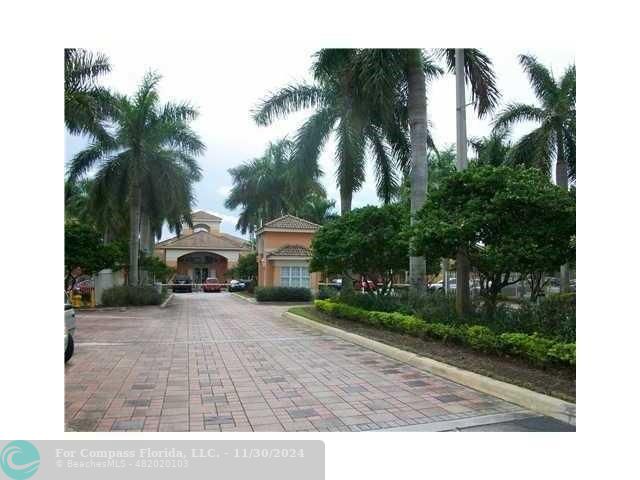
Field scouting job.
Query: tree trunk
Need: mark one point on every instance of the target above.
(145, 234)
(417, 106)
(562, 181)
(134, 235)
(463, 295)
(345, 207)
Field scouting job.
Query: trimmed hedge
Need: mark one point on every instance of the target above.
(282, 294)
(537, 350)
(125, 295)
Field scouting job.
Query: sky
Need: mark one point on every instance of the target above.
(226, 85)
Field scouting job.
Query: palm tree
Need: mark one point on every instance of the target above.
(341, 109)
(384, 73)
(316, 208)
(269, 186)
(86, 104)
(492, 150)
(152, 144)
(555, 136)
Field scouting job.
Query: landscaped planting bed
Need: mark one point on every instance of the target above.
(538, 350)
(552, 379)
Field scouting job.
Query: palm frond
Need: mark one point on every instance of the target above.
(517, 112)
(386, 176)
(285, 101)
(479, 73)
(540, 78)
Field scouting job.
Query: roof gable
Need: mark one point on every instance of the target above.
(290, 223)
(205, 240)
(202, 215)
(290, 251)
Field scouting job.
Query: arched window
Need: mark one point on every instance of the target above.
(201, 227)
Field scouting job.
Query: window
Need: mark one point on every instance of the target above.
(294, 277)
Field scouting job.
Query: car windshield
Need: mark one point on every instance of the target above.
(211, 280)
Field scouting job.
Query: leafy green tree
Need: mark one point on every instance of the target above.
(85, 252)
(369, 241)
(151, 151)
(86, 103)
(555, 136)
(156, 268)
(505, 220)
(246, 268)
(268, 187)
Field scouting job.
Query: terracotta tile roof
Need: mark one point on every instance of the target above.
(290, 222)
(204, 240)
(202, 215)
(290, 251)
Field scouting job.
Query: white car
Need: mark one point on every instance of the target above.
(69, 328)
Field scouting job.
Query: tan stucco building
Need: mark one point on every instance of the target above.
(202, 251)
(283, 248)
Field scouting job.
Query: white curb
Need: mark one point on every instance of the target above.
(166, 302)
(538, 402)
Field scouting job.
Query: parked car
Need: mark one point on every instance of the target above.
(182, 283)
(69, 328)
(211, 284)
(237, 286)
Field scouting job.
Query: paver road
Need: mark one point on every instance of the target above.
(215, 362)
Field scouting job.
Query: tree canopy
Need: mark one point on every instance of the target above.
(370, 241)
(504, 219)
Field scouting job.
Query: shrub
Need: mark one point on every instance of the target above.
(533, 348)
(282, 294)
(371, 301)
(128, 295)
(482, 338)
(563, 353)
(326, 292)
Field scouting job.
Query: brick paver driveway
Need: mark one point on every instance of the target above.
(214, 362)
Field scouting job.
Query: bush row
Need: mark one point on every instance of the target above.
(282, 294)
(534, 348)
(552, 317)
(125, 295)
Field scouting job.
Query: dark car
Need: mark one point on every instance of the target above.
(237, 286)
(182, 283)
(211, 284)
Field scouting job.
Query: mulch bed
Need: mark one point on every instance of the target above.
(557, 382)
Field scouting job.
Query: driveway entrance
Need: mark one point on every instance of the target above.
(219, 363)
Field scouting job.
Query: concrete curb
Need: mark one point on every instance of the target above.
(246, 299)
(166, 302)
(99, 309)
(538, 402)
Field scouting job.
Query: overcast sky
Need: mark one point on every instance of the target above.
(226, 84)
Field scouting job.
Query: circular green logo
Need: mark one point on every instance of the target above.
(19, 460)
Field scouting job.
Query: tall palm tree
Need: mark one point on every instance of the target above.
(385, 72)
(269, 186)
(555, 136)
(341, 109)
(86, 103)
(150, 141)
